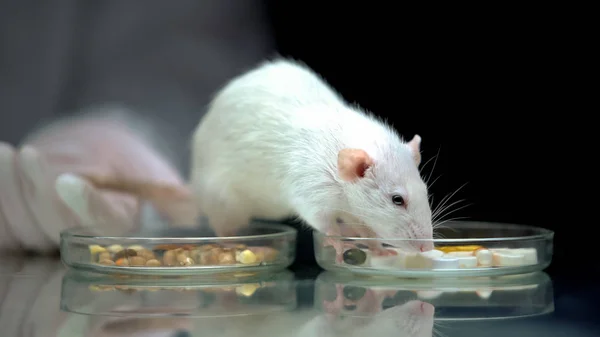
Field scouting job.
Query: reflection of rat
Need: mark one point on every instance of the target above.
(410, 319)
(413, 318)
(278, 141)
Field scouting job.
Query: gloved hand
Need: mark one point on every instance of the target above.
(43, 189)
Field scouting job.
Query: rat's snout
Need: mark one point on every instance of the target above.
(422, 246)
(422, 238)
(421, 308)
(426, 246)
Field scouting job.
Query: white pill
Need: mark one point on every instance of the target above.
(382, 261)
(507, 260)
(137, 248)
(423, 260)
(429, 294)
(115, 248)
(417, 261)
(432, 254)
(484, 258)
(485, 294)
(529, 254)
(502, 250)
(445, 263)
(467, 262)
(458, 254)
(403, 259)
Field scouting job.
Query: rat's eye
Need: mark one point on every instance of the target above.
(398, 200)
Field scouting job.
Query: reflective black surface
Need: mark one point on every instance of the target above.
(40, 297)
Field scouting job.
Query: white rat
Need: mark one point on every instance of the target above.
(278, 141)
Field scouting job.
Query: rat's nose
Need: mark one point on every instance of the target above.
(421, 308)
(421, 246)
(426, 246)
(422, 238)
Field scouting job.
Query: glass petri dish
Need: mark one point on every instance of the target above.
(259, 247)
(468, 249)
(453, 300)
(188, 296)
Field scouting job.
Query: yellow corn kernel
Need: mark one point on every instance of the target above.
(247, 289)
(137, 248)
(247, 257)
(96, 249)
(115, 248)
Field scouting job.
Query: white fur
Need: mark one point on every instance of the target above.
(268, 148)
(406, 320)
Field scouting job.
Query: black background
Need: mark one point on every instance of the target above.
(487, 89)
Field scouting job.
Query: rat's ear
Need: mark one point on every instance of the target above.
(415, 148)
(352, 163)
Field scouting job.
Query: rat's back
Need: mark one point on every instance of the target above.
(255, 128)
(275, 84)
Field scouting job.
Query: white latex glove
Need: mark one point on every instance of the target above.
(42, 191)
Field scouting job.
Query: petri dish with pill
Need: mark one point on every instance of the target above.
(469, 299)
(192, 296)
(465, 249)
(259, 247)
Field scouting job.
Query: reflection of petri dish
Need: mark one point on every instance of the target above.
(186, 296)
(468, 299)
(257, 248)
(468, 249)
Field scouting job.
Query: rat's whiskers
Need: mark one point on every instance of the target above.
(428, 161)
(436, 179)
(452, 211)
(440, 213)
(440, 204)
(434, 163)
(440, 225)
(438, 236)
(446, 199)
(436, 329)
